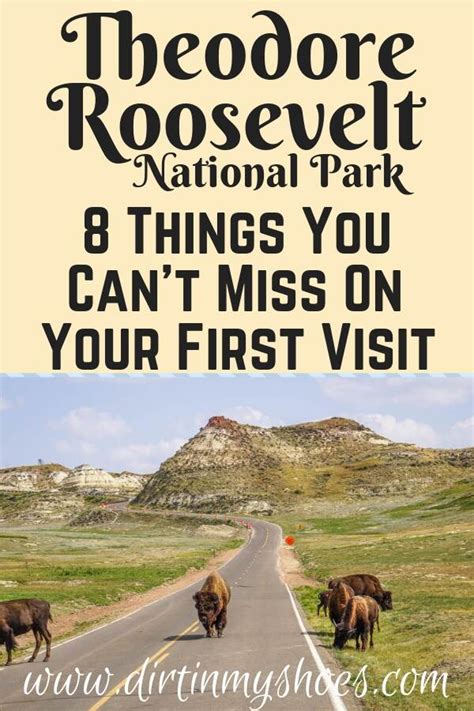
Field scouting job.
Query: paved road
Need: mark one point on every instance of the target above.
(265, 633)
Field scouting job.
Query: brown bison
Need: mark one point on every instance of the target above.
(20, 616)
(365, 584)
(323, 601)
(211, 604)
(358, 619)
(338, 599)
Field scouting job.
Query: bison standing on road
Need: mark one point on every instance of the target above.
(365, 584)
(323, 601)
(338, 599)
(359, 617)
(211, 604)
(20, 616)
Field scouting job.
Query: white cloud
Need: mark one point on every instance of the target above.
(406, 430)
(248, 415)
(461, 434)
(92, 434)
(89, 423)
(245, 414)
(145, 457)
(82, 447)
(463, 425)
(421, 391)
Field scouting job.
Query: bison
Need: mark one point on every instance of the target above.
(338, 599)
(358, 619)
(365, 584)
(323, 601)
(20, 616)
(211, 604)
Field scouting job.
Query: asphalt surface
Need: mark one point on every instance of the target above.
(265, 633)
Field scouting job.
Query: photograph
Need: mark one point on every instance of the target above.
(312, 523)
(236, 355)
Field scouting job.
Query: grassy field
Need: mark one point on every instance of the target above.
(81, 567)
(423, 553)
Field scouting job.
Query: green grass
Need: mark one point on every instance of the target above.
(77, 568)
(12, 501)
(423, 553)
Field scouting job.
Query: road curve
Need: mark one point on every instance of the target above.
(265, 633)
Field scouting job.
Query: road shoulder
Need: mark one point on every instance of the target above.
(293, 576)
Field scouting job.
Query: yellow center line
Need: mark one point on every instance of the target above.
(159, 656)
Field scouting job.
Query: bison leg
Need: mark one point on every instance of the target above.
(357, 641)
(208, 629)
(372, 634)
(221, 622)
(319, 607)
(38, 640)
(46, 634)
(10, 644)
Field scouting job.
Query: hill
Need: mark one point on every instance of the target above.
(52, 492)
(228, 466)
(84, 479)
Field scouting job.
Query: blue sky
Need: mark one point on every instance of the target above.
(135, 423)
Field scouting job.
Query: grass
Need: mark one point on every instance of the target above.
(423, 553)
(13, 501)
(77, 568)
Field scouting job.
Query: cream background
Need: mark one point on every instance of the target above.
(46, 187)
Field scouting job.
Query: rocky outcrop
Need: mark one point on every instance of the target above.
(84, 479)
(228, 466)
(231, 467)
(92, 480)
(35, 478)
(94, 517)
(256, 507)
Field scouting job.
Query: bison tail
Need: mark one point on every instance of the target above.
(50, 617)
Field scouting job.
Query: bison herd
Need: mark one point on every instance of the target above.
(353, 604)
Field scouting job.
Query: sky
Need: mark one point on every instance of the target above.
(135, 423)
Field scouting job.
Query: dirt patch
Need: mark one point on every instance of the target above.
(220, 530)
(292, 570)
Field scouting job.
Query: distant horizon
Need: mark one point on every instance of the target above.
(134, 424)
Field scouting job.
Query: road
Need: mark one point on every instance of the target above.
(265, 632)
